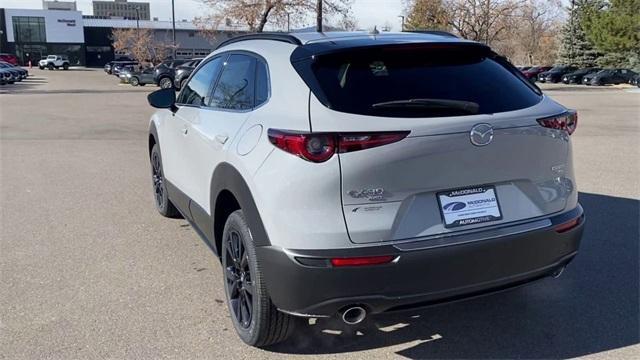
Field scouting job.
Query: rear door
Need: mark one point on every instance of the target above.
(180, 163)
(218, 123)
(475, 155)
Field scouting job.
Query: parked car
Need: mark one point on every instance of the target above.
(9, 58)
(183, 71)
(575, 77)
(12, 75)
(54, 62)
(555, 75)
(127, 65)
(136, 78)
(8, 77)
(18, 72)
(108, 67)
(324, 170)
(609, 76)
(22, 73)
(533, 72)
(164, 73)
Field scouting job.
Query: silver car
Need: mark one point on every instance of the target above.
(350, 174)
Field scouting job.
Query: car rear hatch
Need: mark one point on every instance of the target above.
(464, 147)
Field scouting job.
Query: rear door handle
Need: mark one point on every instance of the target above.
(222, 139)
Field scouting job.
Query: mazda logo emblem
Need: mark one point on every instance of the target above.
(481, 134)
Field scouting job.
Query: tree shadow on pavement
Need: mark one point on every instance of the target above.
(592, 307)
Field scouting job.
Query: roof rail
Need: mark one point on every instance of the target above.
(433, 32)
(274, 36)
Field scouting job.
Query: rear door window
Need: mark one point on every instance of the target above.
(196, 91)
(436, 81)
(235, 89)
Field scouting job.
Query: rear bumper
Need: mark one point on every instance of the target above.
(419, 277)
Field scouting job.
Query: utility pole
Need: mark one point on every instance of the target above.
(402, 24)
(319, 16)
(173, 20)
(288, 22)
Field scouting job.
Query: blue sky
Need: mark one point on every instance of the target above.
(367, 12)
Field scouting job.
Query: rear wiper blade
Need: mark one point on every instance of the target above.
(466, 106)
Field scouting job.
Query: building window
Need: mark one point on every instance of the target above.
(29, 29)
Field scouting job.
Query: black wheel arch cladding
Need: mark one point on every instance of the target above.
(226, 179)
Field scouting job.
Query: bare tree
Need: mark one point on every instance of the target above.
(141, 45)
(539, 24)
(426, 15)
(254, 15)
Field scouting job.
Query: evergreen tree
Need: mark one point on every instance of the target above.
(615, 31)
(575, 47)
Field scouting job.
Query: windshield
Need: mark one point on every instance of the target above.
(425, 82)
(51, 57)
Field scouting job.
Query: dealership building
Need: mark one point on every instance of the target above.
(31, 34)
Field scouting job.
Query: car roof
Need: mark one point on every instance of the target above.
(304, 45)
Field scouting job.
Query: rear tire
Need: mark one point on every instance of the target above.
(161, 197)
(256, 320)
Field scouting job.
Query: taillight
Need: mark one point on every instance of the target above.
(311, 147)
(567, 121)
(564, 227)
(320, 147)
(363, 261)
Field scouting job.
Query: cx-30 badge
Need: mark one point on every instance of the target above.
(481, 134)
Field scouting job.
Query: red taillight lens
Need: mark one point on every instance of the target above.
(355, 142)
(311, 147)
(564, 227)
(320, 147)
(567, 122)
(362, 261)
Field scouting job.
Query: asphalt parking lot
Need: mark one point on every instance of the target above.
(89, 270)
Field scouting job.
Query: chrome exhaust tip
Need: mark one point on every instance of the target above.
(354, 315)
(556, 274)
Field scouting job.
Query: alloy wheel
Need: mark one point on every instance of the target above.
(158, 180)
(240, 286)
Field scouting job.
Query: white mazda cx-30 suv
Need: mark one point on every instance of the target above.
(351, 174)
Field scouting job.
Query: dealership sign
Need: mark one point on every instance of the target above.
(69, 22)
(61, 26)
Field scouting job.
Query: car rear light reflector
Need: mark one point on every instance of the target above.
(362, 261)
(320, 147)
(564, 227)
(567, 121)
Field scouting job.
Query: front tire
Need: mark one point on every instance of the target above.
(165, 83)
(256, 320)
(134, 81)
(160, 195)
(65, 66)
(50, 67)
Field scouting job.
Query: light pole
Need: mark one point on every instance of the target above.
(319, 16)
(402, 24)
(288, 22)
(137, 19)
(173, 21)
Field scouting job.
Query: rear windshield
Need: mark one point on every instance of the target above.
(424, 82)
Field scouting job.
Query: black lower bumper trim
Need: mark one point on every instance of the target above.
(419, 278)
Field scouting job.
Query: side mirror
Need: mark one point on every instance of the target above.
(163, 99)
